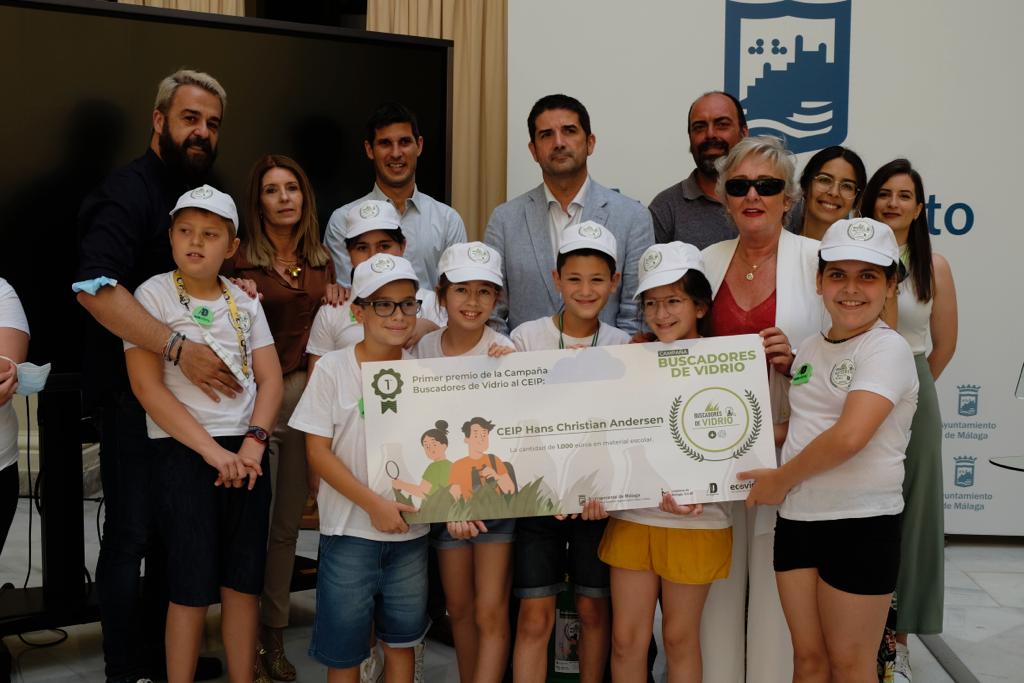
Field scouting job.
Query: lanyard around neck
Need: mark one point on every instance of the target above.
(203, 318)
(561, 327)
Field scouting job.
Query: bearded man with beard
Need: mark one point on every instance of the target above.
(689, 211)
(123, 231)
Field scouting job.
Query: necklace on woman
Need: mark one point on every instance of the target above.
(291, 267)
(754, 266)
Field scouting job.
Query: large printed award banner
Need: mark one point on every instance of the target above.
(541, 433)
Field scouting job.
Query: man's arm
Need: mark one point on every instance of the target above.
(639, 237)
(334, 240)
(455, 230)
(494, 236)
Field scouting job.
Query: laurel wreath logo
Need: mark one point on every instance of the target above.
(755, 430)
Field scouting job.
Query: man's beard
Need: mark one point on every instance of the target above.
(706, 162)
(192, 169)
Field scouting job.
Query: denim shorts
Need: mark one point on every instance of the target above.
(362, 584)
(548, 549)
(498, 531)
(215, 536)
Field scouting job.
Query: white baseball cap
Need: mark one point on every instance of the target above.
(209, 199)
(379, 270)
(471, 261)
(371, 214)
(860, 239)
(663, 264)
(589, 235)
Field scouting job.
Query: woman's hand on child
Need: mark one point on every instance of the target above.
(668, 504)
(334, 295)
(496, 350)
(386, 516)
(247, 286)
(778, 349)
(203, 368)
(770, 487)
(464, 531)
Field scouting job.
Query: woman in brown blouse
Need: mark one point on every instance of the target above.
(282, 253)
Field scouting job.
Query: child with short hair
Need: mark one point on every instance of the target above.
(852, 399)
(672, 552)
(216, 537)
(586, 276)
(373, 566)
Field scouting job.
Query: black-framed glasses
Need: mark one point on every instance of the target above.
(766, 187)
(847, 188)
(385, 308)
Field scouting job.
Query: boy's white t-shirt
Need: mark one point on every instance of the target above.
(429, 345)
(11, 315)
(331, 407)
(335, 327)
(231, 416)
(870, 483)
(542, 335)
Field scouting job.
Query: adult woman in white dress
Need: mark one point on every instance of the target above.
(763, 282)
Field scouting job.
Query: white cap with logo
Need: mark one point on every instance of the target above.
(663, 264)
(589, 235)
(379, 270)
(209, 199)
(371, 214)
(860, 239)
(471, 261)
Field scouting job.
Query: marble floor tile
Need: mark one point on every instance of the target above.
(1006, 588)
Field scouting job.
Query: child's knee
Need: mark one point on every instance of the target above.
(536, 617)
(593, 611)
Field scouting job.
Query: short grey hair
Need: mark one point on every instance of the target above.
(169, 85)
(767, 147)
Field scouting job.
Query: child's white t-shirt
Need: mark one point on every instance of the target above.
(230, 417)
(11, 315)
(429, 345)
(870, 483)
(335, 327)
(542, 335)
(331, 407)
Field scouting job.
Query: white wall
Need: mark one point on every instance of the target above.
(934, 80)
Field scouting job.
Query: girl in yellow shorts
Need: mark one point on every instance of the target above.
(673, 550)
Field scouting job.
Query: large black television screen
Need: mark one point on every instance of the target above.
(79, 82)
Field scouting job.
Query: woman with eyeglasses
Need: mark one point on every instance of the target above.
(927, 319)
(763, 282)
(831, 182)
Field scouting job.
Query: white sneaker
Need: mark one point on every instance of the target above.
(372, 668)
(418, 654)
(901, 667)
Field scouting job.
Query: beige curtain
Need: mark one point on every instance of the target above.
(478, 28)
(234, 8)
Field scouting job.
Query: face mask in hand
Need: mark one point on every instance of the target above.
(31, 378)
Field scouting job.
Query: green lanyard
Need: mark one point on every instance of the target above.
(561, 326)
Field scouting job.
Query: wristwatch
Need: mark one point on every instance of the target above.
(258, 433)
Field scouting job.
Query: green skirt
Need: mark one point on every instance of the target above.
(919, 589)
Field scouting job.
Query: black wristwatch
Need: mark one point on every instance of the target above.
(258, 433)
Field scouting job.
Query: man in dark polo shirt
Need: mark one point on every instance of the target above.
(123, 241)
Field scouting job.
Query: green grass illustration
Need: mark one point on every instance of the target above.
(486, 503)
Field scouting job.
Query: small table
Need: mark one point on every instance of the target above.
(1009, 462)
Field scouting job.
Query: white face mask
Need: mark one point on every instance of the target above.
(31, 377)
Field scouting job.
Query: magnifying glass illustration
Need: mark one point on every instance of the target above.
(391, 469)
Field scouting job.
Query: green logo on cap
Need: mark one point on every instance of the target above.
(478, 254)
(652, 260)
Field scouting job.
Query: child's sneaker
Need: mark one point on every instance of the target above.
(901, 668)
(372, 668)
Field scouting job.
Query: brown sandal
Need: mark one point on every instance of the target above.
(274, 658)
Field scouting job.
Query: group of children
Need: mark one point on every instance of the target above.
(852, 395)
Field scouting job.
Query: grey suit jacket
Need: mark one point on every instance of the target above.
(520, 231)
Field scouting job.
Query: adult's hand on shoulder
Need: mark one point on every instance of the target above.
(202, 367)
(335, 295)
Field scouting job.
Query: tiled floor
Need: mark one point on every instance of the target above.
(984, 622)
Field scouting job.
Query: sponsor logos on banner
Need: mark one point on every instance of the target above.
(970, 492)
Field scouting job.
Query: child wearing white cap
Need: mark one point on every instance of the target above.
(852, 398)
(213, 503)
(373, 566)
(672, 551)
(373, 227)
(474, 557)
(586, 274)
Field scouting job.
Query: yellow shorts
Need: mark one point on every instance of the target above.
(691, 556)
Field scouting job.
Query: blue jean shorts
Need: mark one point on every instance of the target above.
(498, 531)
(362, 584)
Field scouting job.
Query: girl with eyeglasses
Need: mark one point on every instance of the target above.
(762, 282)
(927, 318)
(831, 182)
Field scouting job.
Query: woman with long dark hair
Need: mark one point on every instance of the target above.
(831, 182)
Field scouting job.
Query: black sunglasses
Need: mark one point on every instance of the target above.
(765, 187)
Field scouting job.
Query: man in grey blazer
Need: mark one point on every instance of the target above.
(525, 230)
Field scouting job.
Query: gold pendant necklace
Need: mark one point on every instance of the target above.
(291, 267)
(753, 267)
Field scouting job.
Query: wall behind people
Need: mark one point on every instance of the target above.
(928, 80)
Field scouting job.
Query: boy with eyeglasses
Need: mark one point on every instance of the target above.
(373, 566)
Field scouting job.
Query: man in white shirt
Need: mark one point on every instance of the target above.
(393, 143)
(526, 230)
